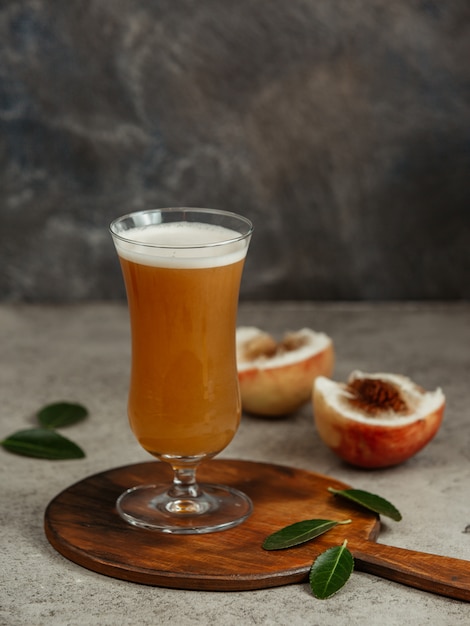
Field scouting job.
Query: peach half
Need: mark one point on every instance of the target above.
(376, 420)
(276, 377)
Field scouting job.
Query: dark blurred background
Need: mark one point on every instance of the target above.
(340, 127)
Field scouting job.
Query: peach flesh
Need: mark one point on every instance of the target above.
(276, 386)
(375, 443)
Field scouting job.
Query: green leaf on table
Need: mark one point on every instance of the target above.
(42, 443)
(300, 532)
(330, 571)
(61, 414)
(370, 501)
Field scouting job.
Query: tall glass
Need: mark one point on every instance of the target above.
(182, 269)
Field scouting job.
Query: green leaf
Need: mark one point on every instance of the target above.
(42, 443)
(300, 532)
(369, 501)
(61, 414)
(330, 571)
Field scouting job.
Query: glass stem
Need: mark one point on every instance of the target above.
(184, 482)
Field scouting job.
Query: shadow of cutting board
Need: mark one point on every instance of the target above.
(83, 525)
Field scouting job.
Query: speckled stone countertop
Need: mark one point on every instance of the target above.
(81, 353)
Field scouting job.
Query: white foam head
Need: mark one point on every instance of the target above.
(182, 245)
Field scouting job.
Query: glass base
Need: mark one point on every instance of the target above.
(214, 509)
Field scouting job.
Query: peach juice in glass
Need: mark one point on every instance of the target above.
(182, 269)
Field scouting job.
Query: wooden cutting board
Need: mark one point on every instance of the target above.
(83, 525)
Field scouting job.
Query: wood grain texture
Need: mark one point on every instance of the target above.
(83, 525)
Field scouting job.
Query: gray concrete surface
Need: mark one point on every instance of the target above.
(81, 353)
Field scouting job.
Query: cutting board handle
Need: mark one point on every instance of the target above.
(438, 574)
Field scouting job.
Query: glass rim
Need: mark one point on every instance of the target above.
(169, 210)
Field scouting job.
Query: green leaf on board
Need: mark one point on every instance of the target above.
(370, 501)
(300, 532)
(61, 414)
(42, 443)
(330, 571)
